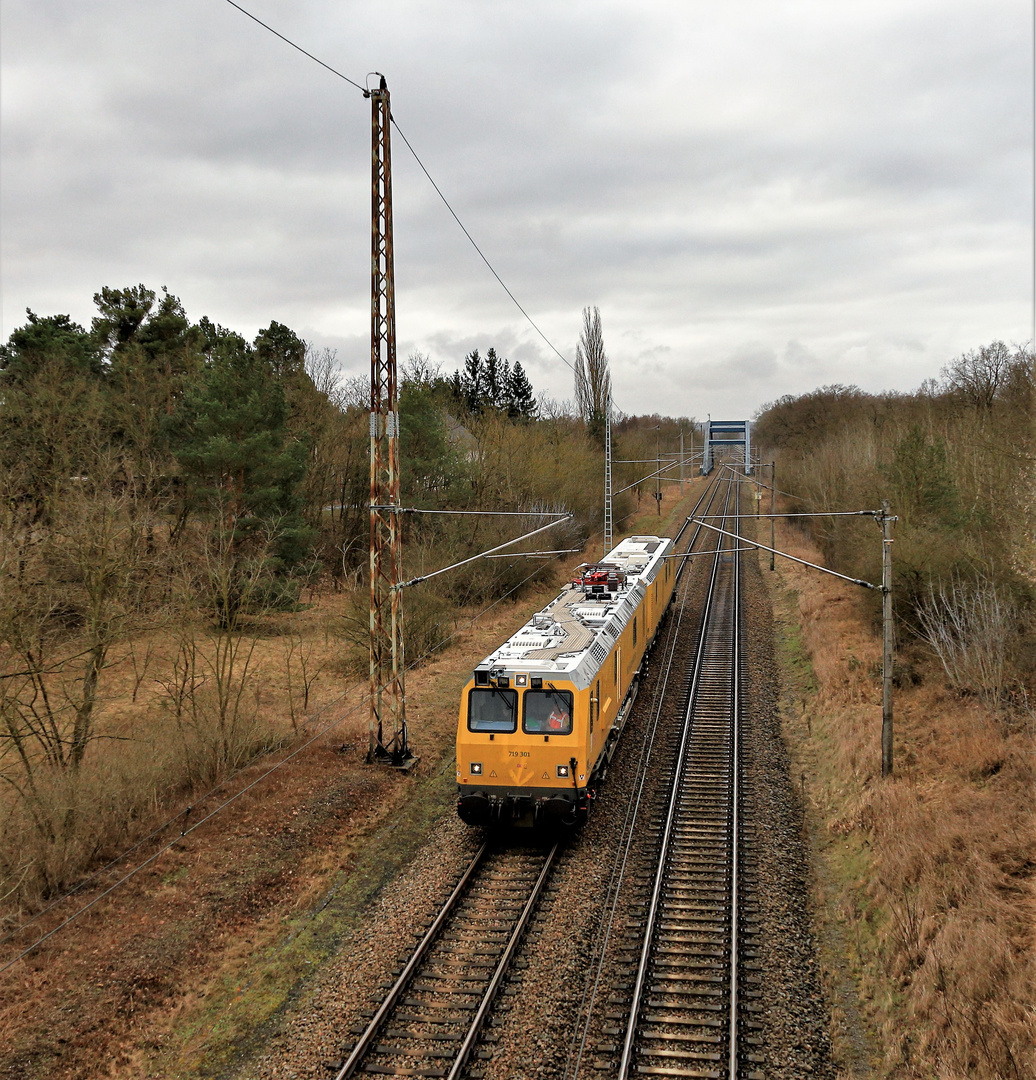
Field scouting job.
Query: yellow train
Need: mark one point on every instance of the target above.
(541, 715)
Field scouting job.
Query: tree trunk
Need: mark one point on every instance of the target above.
(84, 712)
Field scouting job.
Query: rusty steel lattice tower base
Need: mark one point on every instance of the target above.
(387, 743)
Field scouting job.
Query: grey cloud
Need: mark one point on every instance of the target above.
(849, 179)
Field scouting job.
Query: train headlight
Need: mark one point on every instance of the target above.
(563, 770)
(476, 768)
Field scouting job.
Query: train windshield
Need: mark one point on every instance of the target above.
(548, 712)
(492, 710)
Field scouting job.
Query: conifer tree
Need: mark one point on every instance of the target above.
(49, 339)
(474, 382)
(122, 313)
(231, 439)
(520, 401)
(494, 379)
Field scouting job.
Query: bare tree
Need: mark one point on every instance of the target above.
(593, 379)
(969, 627)
(979, 376)
(421, 370)
(324, 372)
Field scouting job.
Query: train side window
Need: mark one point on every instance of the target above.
(547, 712)
(634, 629)
(492, 710)
(615, 673)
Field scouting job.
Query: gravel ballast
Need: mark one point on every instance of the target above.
(533, 1028)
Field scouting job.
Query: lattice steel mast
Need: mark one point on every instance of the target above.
(608, 475)
(387, 742)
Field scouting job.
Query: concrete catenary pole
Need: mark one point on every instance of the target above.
(887, 638)
(773, 510)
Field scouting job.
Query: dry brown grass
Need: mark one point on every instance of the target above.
(198, 948)
(174, 718)
(945, 907)
(154, 745)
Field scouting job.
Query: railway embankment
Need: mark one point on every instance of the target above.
(185, 968)
(923, 883)
(210, 956)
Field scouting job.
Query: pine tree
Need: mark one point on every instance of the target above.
(231, 439)
(920, 476)
(494, 384)
(474, 379)
(521, 405)
(282, 350)
(47, 340)
(122, 313)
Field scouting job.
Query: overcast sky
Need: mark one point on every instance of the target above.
(761, 197)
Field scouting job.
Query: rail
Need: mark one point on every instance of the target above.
(455, 1037)
(654, 903)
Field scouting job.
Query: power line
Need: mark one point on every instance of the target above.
(438, 190)
(184, 813)
(165, 847)
(288, 41)
(482, 256)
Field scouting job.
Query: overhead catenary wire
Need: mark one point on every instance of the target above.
(480, 555)
(768, 487)
(438, 190)
(288, 41)
(650, 476)
(785, 555)
(811, 513)
(477, 513)
(706, 551)
(530, 554)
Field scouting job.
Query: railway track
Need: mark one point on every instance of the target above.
(676, 954)
(677, 950)
(430, 1021)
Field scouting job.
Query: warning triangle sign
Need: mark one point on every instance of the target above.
(493, 773)
(544, 777)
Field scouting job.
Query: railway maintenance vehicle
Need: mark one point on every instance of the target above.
(542, 714)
